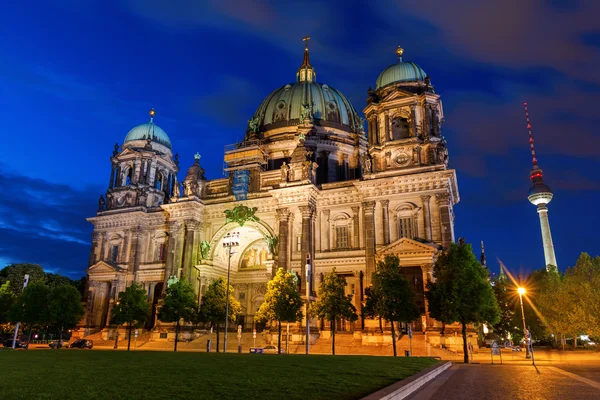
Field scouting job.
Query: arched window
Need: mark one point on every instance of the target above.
(159, 181)
(341, 231)
(406, 220)
(400, 128)
(129, 177)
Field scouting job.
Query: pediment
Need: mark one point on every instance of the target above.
(406, 246)
(397, 94)
(104, 267)
(126, 152)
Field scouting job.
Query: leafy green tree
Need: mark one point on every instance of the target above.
(31, 307)
(282, 302)
(507, 317)
(213, 305)
(132, 308)
(461, 291)
(7, 300)
(333, 303)
(16, 272)
(180, 303)
(64, 308)
(390, 296)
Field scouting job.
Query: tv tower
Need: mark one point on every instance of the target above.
(540, 195)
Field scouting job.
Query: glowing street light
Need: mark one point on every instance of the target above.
(232, 239)
(521, 290)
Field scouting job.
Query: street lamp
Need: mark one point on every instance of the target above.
(521, 290)
(232, 239)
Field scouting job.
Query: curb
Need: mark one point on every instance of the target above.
(404, 388)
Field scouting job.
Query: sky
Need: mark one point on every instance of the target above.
(77, 75)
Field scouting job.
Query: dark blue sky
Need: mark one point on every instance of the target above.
(76, 75)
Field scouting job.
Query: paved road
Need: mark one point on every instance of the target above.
(501, 382)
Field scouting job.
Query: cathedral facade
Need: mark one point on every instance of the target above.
(328, 187)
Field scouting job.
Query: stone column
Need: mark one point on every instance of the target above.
(284, 227)
(355, 223)
(133, 262)
(332, 168)
(427, 270)
(388, 124)
(190, 247)
(102, 246)
(413, 116)
(306, 246)
(385, 220)
(94, 250)
(326, 221)
(369, 235)
(427, 217)
(371, 130)
(443, 203)
(123, 256)
(170, 268)
(318, 232)
(112, 176)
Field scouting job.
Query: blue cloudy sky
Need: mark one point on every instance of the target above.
(76, 75)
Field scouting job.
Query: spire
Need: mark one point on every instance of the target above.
(399, 52)
(482, 258)
(531, 144)
(306, 62)
(306, 73)
(536, 174)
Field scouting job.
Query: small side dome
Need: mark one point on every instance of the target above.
(149, 130)
(400, 72)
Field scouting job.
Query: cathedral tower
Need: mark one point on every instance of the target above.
(540, 195)
(143, 173)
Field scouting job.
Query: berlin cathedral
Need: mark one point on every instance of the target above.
(328, 186)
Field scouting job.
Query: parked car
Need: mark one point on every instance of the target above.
(272, 350)
(18, 344)
(82, 344)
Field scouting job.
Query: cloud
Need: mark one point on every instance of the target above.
(44, 222)
(514, 33)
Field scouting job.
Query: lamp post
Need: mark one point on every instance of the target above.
(307, 301)
(232, 239)
(522, 291)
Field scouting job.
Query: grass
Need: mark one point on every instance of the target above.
(97, 374)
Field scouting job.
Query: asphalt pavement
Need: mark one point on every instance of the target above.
(516, 382)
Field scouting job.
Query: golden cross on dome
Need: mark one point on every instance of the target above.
(306, 39)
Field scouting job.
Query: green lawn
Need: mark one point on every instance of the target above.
(97, 374)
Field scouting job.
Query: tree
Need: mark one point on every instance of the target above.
(505, 297)
(16, 272)
(282, 302)
(132, 308)
(333, 303)
(460, 291)
(213, 305)
(64, 308)
(390, 296)
(7, 299)
(180, 303)
(31, 307)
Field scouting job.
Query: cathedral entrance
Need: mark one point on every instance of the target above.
(251, 266)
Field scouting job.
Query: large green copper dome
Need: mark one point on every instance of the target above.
(288, 105)
(400, 72)
(149, 130)
(283, 107)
